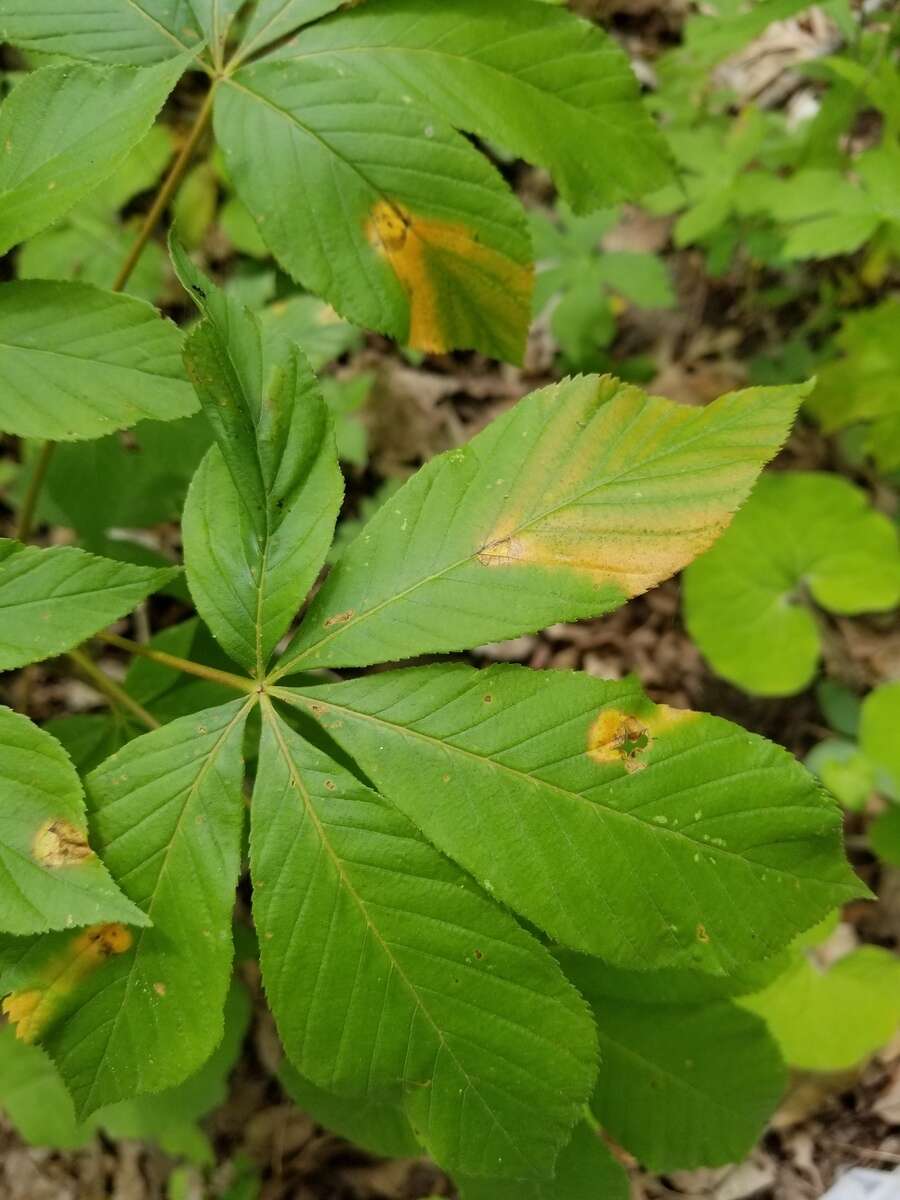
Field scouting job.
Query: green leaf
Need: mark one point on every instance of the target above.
(274, 19)
(315, 326)
(647, 835)
(64, 130)
(34, 1098)
(53, 599)
(540, 82)
(863, 385)
(411, 976)
(122, 1014)
(78, 362)
(834, 1020)
(50, 878)
(375, 1123)
(89, 738)
(585, 1170)
(138, 31)
(260, 513)
(214, 18)
(878, 726)
(802, 536)
(584, 494)
(664, 1091)
(395, 218)
(884, 835)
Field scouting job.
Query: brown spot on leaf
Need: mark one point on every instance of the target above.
(339, 618)
(59, 844)
(488, 699)
(159, 988)
(702, 935)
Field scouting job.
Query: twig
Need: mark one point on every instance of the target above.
(110, 689)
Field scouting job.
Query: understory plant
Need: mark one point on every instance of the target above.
(497, 910)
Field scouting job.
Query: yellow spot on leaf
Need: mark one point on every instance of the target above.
(60, 844)
(442, 265)
(339, 618)
(159, 988)
(620, 737)
(702, 935)
(33, 1009)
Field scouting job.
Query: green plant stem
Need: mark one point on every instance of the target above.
(167, 190)
(115, 694)
(238, 682)
(163, 196)
(35, 483)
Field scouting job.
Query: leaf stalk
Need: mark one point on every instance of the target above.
(110, 689)
(238, 683)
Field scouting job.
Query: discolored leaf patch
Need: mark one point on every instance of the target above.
(60, 844)
(444, 268)
(621, 737)
(32, 1009)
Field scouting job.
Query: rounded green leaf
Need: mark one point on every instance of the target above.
(802, 539)
(878, 729)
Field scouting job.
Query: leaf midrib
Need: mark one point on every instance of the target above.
(273, 720)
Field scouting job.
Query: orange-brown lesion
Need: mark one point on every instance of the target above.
(59, 843)
(617, 737)
(32, 1009)
(408, 241)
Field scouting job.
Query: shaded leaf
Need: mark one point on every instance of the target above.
(79, 362)
(55, 598)
(64, 129)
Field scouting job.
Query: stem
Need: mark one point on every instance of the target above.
(35, 483)
(165, 193)
(117, 695)
(151, 220)
(239, 683)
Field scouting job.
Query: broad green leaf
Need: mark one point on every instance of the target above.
(884, 835)
(89, 738)
(585, 1170)
(315, 326)
(274, 19)
(802, 536)
(396, 219)
(375, 1123)
(169, 1119)
(834, 1020)
(78, 362)
(34, 1098)
(847, 773)
(863, 385)
(584, 494)
(260, 513)
(542, 84)
(53, 599)
(112, 31)
(120, 1012)
(681, 1085)
(647, 835)
(879, 722)
(64, 130)
(50, 878)
(410, 976)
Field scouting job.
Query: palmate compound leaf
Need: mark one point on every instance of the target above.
(123, 1011)
(681, 1085)
(80, 362)
(64, 130)
(50, 878)
(55, 598)
(802, 535)
(138, 32)
(584, 494)
(260, 512)
(647, 835)
(271, 20)
(410, 976)
(398, 221)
